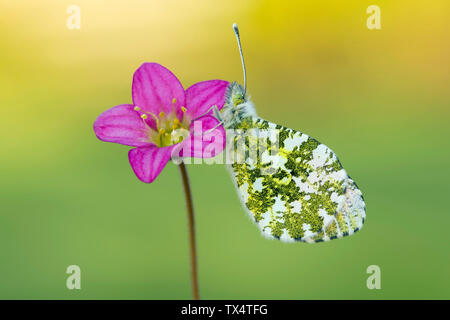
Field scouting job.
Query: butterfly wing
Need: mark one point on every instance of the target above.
(296, 191)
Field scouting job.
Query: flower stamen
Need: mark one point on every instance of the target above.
(166, 125)
(144, 115)
(173, 105)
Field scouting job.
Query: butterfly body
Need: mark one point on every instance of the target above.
(292, 186)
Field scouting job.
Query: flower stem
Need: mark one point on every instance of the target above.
(190, 211)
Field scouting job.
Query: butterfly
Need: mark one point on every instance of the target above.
(295, 189)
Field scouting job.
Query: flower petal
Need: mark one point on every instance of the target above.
(121, 124)
(148, 162)
(202, 95)
(203, 144)
(154, 88)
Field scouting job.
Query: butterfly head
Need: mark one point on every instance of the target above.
(235, 95)
(237, 103)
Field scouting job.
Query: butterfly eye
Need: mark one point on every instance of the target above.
(237, 94)
(238, 99)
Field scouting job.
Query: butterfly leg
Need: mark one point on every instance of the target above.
(215, 127)
(217, 115)
(215, 111)
(209, 130)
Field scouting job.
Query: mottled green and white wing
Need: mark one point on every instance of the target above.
(302, 193)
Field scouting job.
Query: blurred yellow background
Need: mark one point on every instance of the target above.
(379, 98)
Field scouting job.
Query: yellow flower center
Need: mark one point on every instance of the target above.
(169, 129)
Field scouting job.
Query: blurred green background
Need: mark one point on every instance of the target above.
(379, 98)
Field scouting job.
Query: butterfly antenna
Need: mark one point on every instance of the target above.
(236, 32)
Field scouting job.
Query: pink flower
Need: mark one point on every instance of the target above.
(162, 109)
